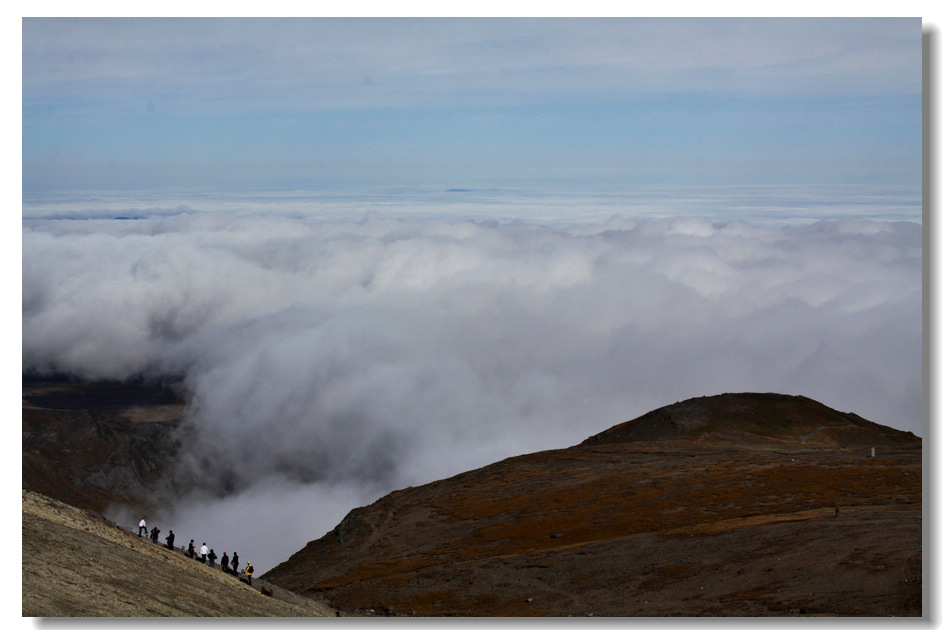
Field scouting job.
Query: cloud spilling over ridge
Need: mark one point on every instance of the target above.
(387, 353)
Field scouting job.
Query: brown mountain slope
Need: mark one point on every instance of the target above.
(723, 505)
(77, 564)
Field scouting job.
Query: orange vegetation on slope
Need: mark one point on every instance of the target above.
(543, 508)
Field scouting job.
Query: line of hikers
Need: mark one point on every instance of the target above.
(206, 555)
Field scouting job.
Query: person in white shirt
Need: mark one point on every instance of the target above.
(141, 527)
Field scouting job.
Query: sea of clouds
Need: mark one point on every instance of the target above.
(328, 362)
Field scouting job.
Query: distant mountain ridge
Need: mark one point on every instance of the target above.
(92, 444)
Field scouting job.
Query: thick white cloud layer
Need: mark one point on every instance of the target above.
(339, 360)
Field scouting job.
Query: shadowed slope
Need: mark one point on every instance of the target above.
(93, 444)
(716, 506)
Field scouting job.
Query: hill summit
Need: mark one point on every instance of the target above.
(731, 505)
(753, 418)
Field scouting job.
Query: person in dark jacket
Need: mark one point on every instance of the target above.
(224, 562)
(191, 549)
(170, 538)
(235, 563)
(212, 558)
(153, 534)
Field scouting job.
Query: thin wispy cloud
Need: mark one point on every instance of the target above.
(313, 103)
(328, 63)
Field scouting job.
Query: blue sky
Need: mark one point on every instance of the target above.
(205, 104)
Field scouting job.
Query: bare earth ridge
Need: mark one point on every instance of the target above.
(732, 505)
(77, 564)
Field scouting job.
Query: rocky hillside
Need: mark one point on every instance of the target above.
(733, 505)
(77, 564)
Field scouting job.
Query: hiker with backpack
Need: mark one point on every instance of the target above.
(249, 570)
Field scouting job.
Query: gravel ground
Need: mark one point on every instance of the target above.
(77, 564)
